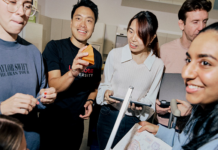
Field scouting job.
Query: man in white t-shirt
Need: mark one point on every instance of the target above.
(193, 16)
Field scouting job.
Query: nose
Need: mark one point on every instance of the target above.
(201, 26)
(189, 71)
(83, 24)
(134, 37)
(20, 9)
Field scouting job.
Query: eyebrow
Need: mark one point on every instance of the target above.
(206, 55)
(131, 28)
(87, 17)
(187, 54)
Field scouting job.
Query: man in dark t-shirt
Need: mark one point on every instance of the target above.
(74, 79)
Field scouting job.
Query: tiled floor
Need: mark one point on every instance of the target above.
(85, 136)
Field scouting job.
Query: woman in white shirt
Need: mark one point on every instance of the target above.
(136, 64)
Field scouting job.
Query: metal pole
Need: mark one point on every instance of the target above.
(119, 118)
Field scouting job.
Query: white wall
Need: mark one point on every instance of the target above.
(111, 12)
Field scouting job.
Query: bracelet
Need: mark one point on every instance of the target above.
(91, 100)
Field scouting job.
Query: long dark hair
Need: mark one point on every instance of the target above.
(203, 125)
(147, 29)
(11, 133)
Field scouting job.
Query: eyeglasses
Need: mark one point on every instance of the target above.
(13, 6)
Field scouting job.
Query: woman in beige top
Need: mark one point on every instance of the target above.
(136, 64)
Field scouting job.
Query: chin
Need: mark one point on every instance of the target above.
(192, 99)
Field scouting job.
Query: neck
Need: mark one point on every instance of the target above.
(77, 43)
(185, 42)
(7, 36)
(140, 57)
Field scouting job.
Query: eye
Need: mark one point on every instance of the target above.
(28, 6)
(12, 1)
(205, 63)
(77, 18)
(130, 31)
(90, 21)
(187, 60)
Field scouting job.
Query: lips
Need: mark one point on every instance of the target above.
(132, 45)
(18, 22)
(82, 31)
(191, 88)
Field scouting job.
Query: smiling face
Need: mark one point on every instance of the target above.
(200, 74)
(195, 22)
(135, 43)
(82, 25)
(12, 23)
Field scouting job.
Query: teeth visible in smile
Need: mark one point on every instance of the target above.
(82, 31)
(133, 45)
(193, 87)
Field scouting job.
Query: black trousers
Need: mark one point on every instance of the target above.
(106, 121)
(59, 131)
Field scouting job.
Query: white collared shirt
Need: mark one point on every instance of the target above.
(121, 71)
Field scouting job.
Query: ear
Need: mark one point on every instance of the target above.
(181, 24)
(71, 22)
(153, 38)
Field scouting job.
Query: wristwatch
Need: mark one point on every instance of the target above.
(93, 102)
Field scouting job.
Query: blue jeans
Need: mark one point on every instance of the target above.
(106, 121)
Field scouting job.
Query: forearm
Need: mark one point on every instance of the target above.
(62, 83)
(93, 94)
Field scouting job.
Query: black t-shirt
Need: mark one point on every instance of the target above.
(59, 55)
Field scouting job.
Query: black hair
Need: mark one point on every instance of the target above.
(86, 3)
(147, 29)
(192, 5)
(203, 125)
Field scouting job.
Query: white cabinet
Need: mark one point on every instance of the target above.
(97, 38)
(66, 30)
(110, 38)
(33, 33)
(56, 29)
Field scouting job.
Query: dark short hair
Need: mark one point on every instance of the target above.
(192, 5)
(86, 3)
(147, 28)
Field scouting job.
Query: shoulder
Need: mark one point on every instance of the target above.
(170, 45)
(57, 42)
(97, 53)
(29, 46)
(116, 52)
(159, 62)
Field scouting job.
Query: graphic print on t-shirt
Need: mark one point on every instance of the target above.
(86, 73)
(13, 69)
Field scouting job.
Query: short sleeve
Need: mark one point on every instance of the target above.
(51, 56)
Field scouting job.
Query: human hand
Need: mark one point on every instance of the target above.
(18, 104)
(88, 110)
(159, 110)
(135, 107)
(152, 128)
(78, 64)
(184, 107)
(108, 99)
(49, 95)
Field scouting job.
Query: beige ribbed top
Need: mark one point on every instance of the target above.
(121, 71)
